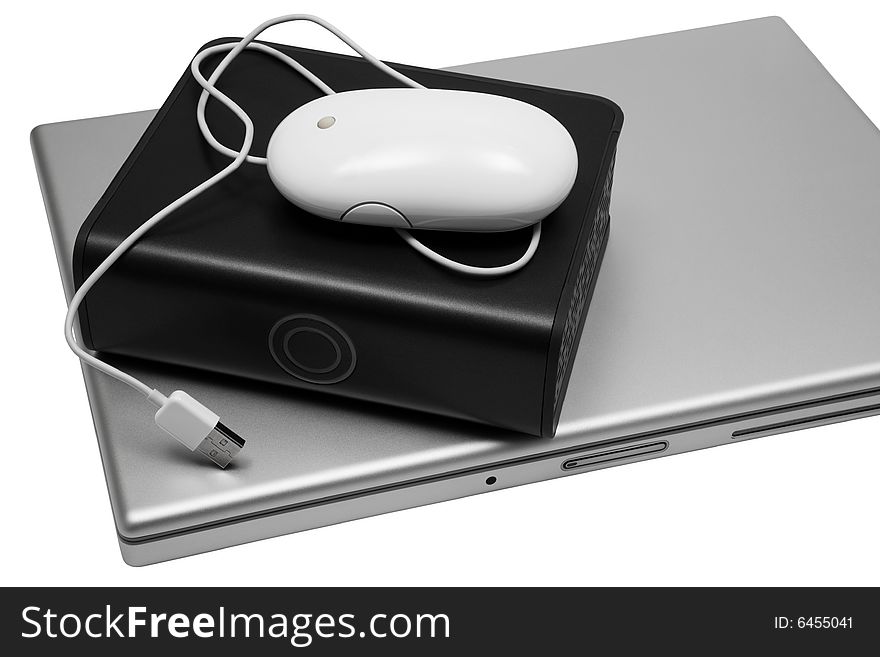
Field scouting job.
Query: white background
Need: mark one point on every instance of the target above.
(796, 509)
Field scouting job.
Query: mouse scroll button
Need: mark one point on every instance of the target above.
(375, 214)
(326, 122)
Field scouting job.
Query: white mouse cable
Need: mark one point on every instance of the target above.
(472, 270)
(180, 415)
(183, 417)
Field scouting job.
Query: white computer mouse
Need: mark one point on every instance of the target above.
(423, 158)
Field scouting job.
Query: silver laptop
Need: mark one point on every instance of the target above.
(739, 298)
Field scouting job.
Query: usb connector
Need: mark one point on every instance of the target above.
(197, 427)
(221, 445)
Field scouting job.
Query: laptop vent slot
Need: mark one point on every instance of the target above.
(807, 422)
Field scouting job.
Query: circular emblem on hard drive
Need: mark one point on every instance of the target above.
(312, 349)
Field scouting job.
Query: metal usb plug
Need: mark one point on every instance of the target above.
(221, 445)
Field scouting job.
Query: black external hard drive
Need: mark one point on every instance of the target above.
(242, 282)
